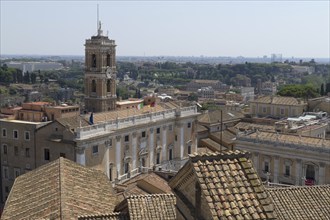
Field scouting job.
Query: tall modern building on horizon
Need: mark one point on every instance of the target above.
(100, 73)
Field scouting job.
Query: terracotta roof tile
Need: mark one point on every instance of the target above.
(213, 117)
(110, 216)
(60, 189)
(289, 138)
(301, 202)
(229, 181)
(278, 100)
(153, 207)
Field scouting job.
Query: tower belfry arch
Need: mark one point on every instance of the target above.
(100, 72)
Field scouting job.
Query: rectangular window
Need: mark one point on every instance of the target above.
(15, 150)
(282, 111)
(7, 189)
(5, 149)
(5, 172)
(189, 125)
(189, 149)
(110, 174)
(95, 149)
(27, 135)
(143, 134)
(264, 109)
(158, 130)
(287, 170)
(126, 166)
(126, 138)
(17, 172)
(266, 168)
(170, 127)
(15, 134)
(158, 158)
(110, 142)
(27, 152)
(4, 132)
(176, 137)
(170, 154)
(46, 154)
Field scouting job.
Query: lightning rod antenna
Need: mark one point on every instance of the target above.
(97, 22)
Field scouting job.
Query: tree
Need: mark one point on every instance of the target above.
(26, 77)
(322, 92)
(298, 91)
(19, 74)
(327, 88)
(192, 97)
(33, 78)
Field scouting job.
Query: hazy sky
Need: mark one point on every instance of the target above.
(180, 28)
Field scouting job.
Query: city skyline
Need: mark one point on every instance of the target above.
(168, 28)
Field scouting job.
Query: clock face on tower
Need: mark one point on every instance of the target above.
(109, 73)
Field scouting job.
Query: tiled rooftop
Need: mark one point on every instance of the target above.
(230, 185)
(111, 115)
(210, 144)
(301, 202)
(60, 189)
(146, 207)
(227, 136)
(73, 122)
(201, 128)
(287, 138)
(277, 100)
(110, 216)
(152, 207)
(214, 117)
(245, 126)
(142, 184)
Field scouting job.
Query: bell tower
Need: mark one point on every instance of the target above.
(100, 73)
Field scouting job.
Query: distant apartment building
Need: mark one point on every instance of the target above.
(206, 92)
(196, 84)
(319, 104)
(18, 151)
(277, 107)
(247, 93)
(39, 111)
(35, 66)
(276, 58)
(266, 88)
(169, 90)
(286, 158)
(303, 69)
(45, 111)
(307, 125)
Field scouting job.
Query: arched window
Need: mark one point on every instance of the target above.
(108, 85)
(108, 59)
(93, 60)
(93, 86)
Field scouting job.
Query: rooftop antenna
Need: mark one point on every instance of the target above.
(97, 21)
(99, 30)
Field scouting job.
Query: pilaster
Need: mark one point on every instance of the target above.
(298, 172)
(118, 155)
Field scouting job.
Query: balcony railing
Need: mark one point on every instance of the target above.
(107, 126)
